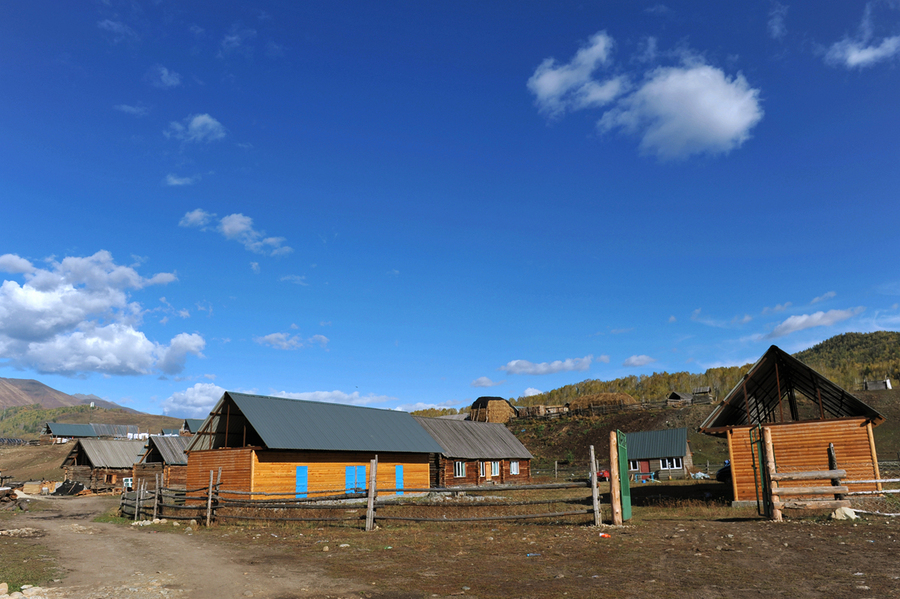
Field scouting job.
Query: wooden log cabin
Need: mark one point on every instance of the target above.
(805, 412)
(476, 453)
(102, 464)
(163, 456)
(306, 448)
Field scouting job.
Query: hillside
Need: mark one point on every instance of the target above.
(851, 358)
(25, 422)
(27, 392)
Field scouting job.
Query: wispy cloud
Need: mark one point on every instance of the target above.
(484, 381)
(635, 361)
(808, 321)
(823, 297)
(117, 31)
(295, 279)
(136, 110)
(238, 227)
(676, 111)
(863, 50)
(236, 42)
(777, 21)
(288, 342)
(196, 128)
(568, 365)
(173, 180)
(777, 308)
(162, 78)
(336, 397)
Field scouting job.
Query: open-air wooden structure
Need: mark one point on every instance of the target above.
(804, 413)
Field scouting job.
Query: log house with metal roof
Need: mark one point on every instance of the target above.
(660, 455)
(163, 455)
(102, 465)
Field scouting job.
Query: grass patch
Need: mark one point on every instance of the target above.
(25, 562)
(111, 516)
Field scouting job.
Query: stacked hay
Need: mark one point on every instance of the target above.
(601, 399)
(492, 409)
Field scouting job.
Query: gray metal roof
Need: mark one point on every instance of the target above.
(648, 445)
(171, 449)
(311, 425)
(115, 430)
(192, 425)
(62, 429)
(474, 440)
(109, 453)
(768, 393)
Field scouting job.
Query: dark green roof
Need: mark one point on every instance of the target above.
(192, 425)
(311, 425)
(648, 445)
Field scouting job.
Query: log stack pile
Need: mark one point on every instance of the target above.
(8, 498)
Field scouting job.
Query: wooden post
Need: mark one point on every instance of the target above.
(370, 507)
(137, 500)
(209, 499)
(595, 494)
(832, 465)
(615, 486)
(874, 455)
(555, 469)
(770, 470)
(156, 498)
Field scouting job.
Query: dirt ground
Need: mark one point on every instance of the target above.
(675, 547)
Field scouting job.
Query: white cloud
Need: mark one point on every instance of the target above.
(320, 340)
(568, 365)
(777, 308)
(681, 111)
(336, 397)
(194, 402)
(239, 227)
(808, 321)
(776, 25)
(863, 51)
(176, 181)
(484, 381)
(161, 77)
(236, 42)
(254, 266)
(295, 279)
(136, 110)
(672, 318)
(531, 391)
(640, 360)
(117, 30)
(823, 297)
(196, 128)
(287, 342)
(677, 111)
(76, 317)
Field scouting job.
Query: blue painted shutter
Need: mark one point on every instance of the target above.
(361, 478)
(350, 479)
(398, 476)
(302, 484)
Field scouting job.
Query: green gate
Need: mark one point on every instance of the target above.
(624, 485)
(760, 474)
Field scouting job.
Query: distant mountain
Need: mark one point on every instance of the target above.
(27, 392)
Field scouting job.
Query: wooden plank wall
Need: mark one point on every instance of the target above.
(803, 446)
(236, 467)
(147, 472)
(276, 471)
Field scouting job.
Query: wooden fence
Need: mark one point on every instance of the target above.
(614, 408)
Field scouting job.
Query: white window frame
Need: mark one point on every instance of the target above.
(513, 467)
(459, 469)
(481, 469)
(671, 464)
(495, 468)
(634, 465)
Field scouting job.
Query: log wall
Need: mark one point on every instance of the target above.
(447, 478)
(803, 446)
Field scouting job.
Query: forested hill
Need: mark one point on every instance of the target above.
(846, 359)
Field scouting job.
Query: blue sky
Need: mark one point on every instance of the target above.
(406, 205)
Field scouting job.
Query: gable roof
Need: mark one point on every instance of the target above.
(63, 429)
(171, 449)
(109, 453)
(767, 394)
(666, 443)
(192, 425)
(474, 440)
(280, 423)
(679, 395)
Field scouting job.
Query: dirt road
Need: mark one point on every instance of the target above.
(112, 561)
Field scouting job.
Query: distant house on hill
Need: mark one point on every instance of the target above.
(475, 453)
(661, 454)
(492, 409)
(877, 385)
(303, 448)
(102, 464)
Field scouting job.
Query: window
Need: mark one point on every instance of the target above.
(109, 478)
(514, 467)
(495, 468)
(481, 469)
(459, 469)
(670, 464)
(634, 465)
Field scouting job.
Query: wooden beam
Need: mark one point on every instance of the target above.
(811, 505)
(770, 472)
(812, 490)
(817, 475)
(615, 487)
(873, 454)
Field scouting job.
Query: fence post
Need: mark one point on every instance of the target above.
(770, 470)
(156, 498)
(555, 469)
(209, 499)
(832, 465)
(137, 500)
(595, 494)
(615, 485)
(370, 507)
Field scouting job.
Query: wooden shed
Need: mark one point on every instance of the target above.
(476, 453)
(804, 412)
(305, 448)
(661, 455)
(102, 464)
(163, 455)
(492, 409)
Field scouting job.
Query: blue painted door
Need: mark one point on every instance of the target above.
(355, 479)
(398, 475)
(302, 483)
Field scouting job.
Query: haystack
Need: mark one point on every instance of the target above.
(492, 409)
